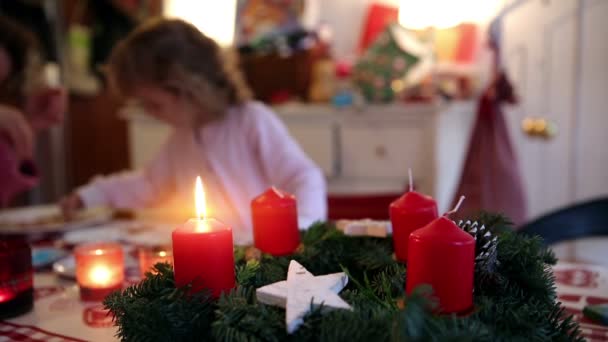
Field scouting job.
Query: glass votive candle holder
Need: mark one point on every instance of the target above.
(100, 270)
(16, 277)
(150, 256)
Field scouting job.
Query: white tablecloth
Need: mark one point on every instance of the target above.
(59, 315)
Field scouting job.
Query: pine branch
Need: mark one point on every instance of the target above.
(246, 274)
(514, 298)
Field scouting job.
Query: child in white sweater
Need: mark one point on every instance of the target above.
(237, 146)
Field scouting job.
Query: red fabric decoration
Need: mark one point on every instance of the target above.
(378, 17)
(491, 180)
(467, 45)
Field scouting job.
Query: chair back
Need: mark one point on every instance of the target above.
(580, 220)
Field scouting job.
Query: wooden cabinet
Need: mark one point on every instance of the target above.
(367, 156)
(364, 154)
(96, 138)
(381, 151)
(316, 134)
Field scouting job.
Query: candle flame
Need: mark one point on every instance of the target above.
(199, 199)
(100, 275)
(98, 252)
(162, 254)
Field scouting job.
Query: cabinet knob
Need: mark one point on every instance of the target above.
(539, 128)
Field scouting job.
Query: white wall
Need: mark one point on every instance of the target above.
(592, 133)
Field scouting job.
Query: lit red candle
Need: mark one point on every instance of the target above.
(409, 212)
(202, 251)
(443, 256)
(100, 270)
(275, 222)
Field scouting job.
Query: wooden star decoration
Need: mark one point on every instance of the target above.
(300, 290)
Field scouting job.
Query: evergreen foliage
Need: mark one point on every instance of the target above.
(515, 299)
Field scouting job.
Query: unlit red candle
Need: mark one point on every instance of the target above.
(99, 270)
(443, 256)
(409, 212)
(275, 222)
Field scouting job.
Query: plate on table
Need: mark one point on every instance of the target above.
(66, 267)
(138, 233)
(141, 233)
(105, 232)
(44, 256)
(48, 219)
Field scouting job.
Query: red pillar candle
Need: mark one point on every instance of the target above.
(275, 222)
(202, 252)
(409, 212)
(443, 256)
(203, 255)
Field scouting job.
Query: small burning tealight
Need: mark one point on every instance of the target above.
(150, 256)
(99, 270)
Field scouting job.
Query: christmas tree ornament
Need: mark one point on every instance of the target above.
(301, 291)
(395, 60)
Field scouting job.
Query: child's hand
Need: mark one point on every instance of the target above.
(70, 205)
(15, 128)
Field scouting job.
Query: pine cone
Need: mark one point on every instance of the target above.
(485, 246)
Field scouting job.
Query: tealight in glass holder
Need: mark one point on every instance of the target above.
(16, 277)
(100, 270)
(150, 256)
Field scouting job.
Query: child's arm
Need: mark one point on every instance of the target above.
(287, 166)
(133, 189)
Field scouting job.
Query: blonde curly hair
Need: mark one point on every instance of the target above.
(175, 56)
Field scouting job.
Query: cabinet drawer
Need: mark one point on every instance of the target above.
(317, 141)
(386, 152)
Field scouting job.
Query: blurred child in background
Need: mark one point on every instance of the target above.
(239, 147)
